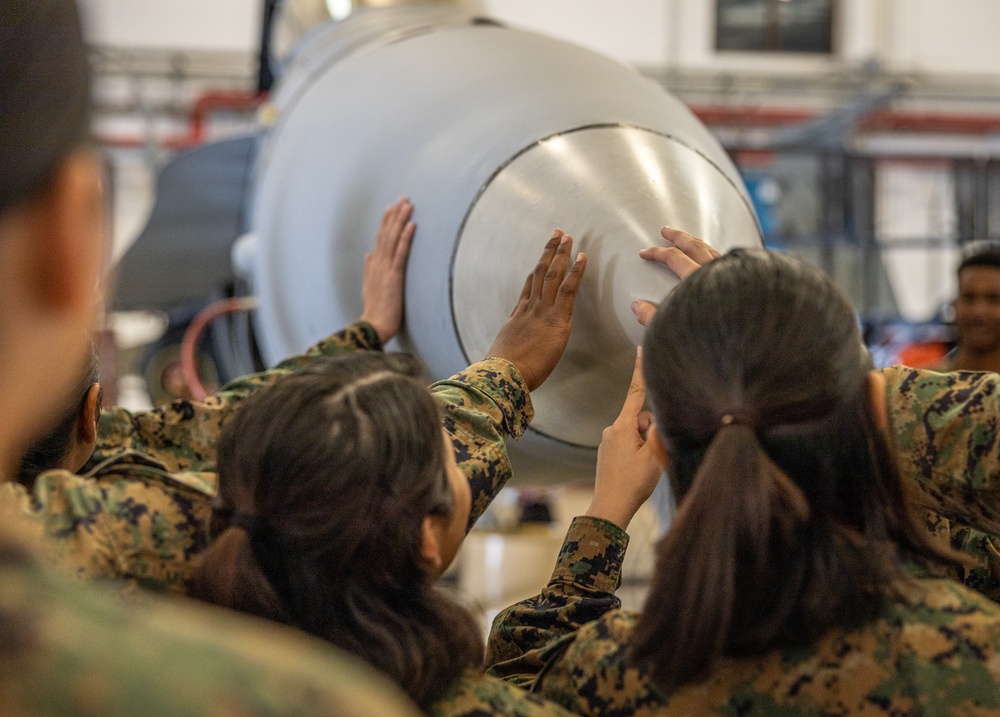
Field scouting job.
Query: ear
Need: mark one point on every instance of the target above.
(876, 394)
(90, 414)
(69, 237)
(430, 544)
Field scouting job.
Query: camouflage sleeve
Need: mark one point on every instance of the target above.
(477, 695)
(947, 432)
(359, 336)
(982, 574)
(483, 406)
(527, 636)
(131, 522)
(183, 435)
(70, 649)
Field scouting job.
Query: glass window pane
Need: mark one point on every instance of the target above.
(774, 25)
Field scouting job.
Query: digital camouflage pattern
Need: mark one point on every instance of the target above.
(183, 436)
(947, 433)
(933, 652)
(72, 650)
(477, 695)
(483, 406)
(139, 510)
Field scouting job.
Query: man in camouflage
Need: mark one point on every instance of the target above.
(947, 430)
(66, 649)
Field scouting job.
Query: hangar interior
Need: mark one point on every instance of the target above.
(866, 132)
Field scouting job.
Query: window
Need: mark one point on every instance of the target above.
(774, 25)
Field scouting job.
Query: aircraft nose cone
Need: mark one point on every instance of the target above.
(610, 187)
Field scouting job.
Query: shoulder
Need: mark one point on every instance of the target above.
(129, 481)
(937, 644)
(129, 521)
(592, 675)
(942, 389)
(939, 641)
(77, 650)
(947, 607)
(475, 694)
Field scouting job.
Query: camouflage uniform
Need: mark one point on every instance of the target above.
(72, 650)
(947, 432)
(935, 651)
(477, 695)
(139, 510)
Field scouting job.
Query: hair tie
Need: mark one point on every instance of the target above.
(250, 523)
(736, 417)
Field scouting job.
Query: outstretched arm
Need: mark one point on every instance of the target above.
(489, 402)
(183, 435)
(530, 635)
(629, 459)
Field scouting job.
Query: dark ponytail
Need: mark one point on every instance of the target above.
(229, 575)
(791, 514)
(740, 511)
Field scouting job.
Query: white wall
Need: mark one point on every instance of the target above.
(635, 31)
(936, 36)
(224, 25)
(957, 36)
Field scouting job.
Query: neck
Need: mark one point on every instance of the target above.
(966, 360)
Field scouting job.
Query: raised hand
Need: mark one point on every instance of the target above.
(629, 459)
(384, 280)
(535, 335)
(686, 256)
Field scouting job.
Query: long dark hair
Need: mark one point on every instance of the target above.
(325, 481)
(791, 515)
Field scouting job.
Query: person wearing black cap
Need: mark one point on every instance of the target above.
(66, 648)
(977, 314)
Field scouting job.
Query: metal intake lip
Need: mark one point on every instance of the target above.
(611, 187)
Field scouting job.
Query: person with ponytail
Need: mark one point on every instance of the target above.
(340, 502)
(793, 579)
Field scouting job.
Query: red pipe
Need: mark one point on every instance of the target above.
(753, 116)
(712, 115)
(203, 106)
(189, 344)
(878, 121)
(926, 122)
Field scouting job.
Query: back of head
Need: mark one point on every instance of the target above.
(51, 232)
(325, 481)
(791, 513)
(44, 93)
